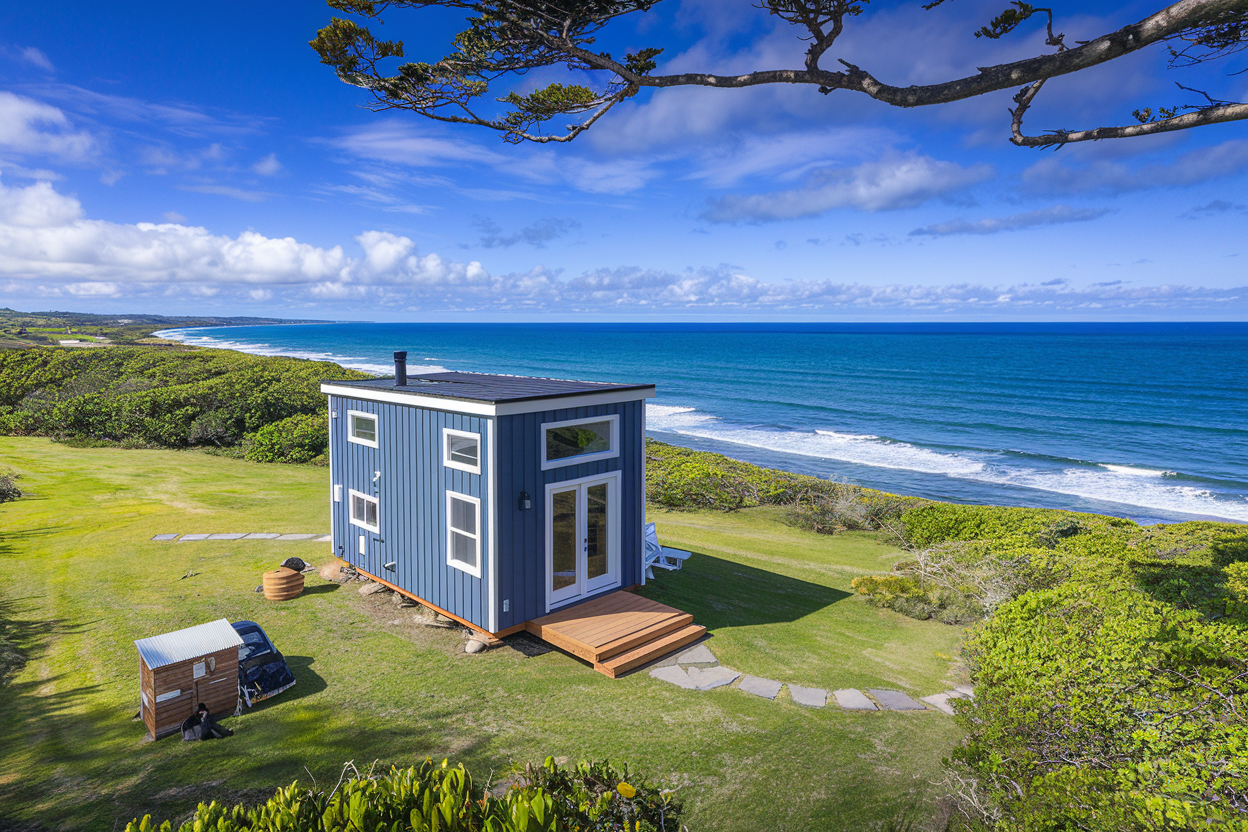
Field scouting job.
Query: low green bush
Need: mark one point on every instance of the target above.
(300, 438)
(590, 797)
(8, 488)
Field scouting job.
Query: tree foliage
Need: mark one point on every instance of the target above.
(505, 39)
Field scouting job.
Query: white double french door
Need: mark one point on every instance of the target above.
(582, 538)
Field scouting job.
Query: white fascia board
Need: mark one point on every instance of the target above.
(491, 506)
(487, 408)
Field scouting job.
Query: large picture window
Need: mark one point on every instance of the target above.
(463, 532)
(362, 428)
(580, 440)
(461, 450)
(364, 511)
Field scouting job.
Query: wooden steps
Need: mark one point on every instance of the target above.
(617, 632)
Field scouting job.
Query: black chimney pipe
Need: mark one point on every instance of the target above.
(400, 368)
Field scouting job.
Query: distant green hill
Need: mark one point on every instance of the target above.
(26, 329)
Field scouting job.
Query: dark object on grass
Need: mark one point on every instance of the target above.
(262, 670)
(296, 564)
(8, 488)
(201, 726)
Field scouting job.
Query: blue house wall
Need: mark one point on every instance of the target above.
(411, 494)
(521, 534)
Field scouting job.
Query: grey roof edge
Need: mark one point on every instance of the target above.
(422, 390)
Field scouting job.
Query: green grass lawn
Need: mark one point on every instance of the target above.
(82, 580)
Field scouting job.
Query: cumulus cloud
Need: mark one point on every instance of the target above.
(900, 181)
(1056, 215)
(32, 127)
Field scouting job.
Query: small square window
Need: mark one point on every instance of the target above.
(364, 511)
(461, 450)
(362, 428)
(463, 538)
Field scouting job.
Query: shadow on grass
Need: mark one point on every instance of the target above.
(723, 593)
(22, 639)
(307, 683)
(321, 589)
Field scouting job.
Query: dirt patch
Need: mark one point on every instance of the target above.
(527, 645)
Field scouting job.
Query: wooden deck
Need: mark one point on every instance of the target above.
(617, 632)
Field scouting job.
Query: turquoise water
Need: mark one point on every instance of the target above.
(1148, 421)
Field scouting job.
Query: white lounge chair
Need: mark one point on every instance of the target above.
(661, 556)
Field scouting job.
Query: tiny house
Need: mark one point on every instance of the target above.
(179, 670)
(493, 499)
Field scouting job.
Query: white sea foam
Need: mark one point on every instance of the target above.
(821, 444)
(1124, 484)
(197, 339)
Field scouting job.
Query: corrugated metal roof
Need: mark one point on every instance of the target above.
(190, 643)
(485, 387)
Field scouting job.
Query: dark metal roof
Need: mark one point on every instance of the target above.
(484, 387)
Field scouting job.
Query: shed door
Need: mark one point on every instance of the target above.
(582, 538)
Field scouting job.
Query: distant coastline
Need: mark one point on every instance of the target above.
(1135, 420)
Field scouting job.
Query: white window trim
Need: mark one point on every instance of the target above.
(351, 511)
(447, 433)
(476, 501)
(351, 437)
(613, 418)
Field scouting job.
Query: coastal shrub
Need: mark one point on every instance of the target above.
(300, 438)
(1098, 707)
(155, 397)
(591, 797)
(8, 488)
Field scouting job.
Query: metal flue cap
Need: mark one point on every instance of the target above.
(400, 368)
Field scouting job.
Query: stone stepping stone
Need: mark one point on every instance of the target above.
(675, 676)
(766, 688)
(895, 700)
(226, 536)
(187, 537)
(940, 701)
(325, 538)
(853, 700)
(262, 536)
(712, 677)
(965, 690)
(297, 536)
(165, 537)
(807, 697)
(698, 655)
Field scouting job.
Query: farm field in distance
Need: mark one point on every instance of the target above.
(82, 580)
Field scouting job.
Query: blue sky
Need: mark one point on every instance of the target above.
(198, 159)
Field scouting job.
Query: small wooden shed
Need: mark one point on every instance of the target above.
(179, 670)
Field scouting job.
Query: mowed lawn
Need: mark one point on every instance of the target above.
(80, 580)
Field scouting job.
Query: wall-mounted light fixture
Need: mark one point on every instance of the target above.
(525, 502)
(391, 565)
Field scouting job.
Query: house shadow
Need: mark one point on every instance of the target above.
(321, 589)
(723, 593)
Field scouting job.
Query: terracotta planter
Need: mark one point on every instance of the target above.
(283, 584)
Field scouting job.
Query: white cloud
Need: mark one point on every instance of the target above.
(1056, 176)
(35, 57)
(268, 166)
(230, 191)
(93, 289)
(1056, 215)
(897, 181)
(34, 128)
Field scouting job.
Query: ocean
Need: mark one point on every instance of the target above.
(1147, 421)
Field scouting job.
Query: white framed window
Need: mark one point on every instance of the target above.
(362, 428)
(461, 450)
(580, 440)
(364, 511)
(463, 532)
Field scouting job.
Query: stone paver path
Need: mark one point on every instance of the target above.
(766, 688)
(809, 697)
(895, 700)
(853, 700)
(317, 538)
(696, 668)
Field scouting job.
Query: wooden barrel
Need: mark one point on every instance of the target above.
(283, 584)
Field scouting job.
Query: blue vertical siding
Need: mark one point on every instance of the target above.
(521, 551)
(411, 494)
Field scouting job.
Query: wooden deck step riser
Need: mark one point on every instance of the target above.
(652, 633)
(650, 651)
